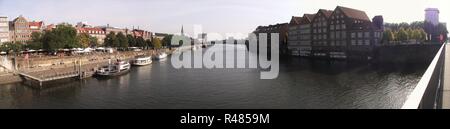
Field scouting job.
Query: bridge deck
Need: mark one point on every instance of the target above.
(446, 93)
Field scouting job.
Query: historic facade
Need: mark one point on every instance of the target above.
(4, 29)
(281, 29)
(20, 31)
(320, 38)
(146, 35)
(36, 26)
(341, 33)
(99, 33)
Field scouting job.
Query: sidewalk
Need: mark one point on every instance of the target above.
(446, 93)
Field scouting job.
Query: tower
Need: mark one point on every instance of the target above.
(182, 30)
(432, 16)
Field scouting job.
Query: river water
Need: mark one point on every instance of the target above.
(301, 84)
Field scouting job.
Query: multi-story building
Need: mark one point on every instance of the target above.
(319, 33)
(36, 26)
(294, 36)
(146, 35)
(341, 33)
(108, 29)
(20, 31)
(432, 16)
(98, 33)
(352, 34)
(4, 29)
(281, 29)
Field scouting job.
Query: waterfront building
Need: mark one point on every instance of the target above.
(352, 33)
(4, 29)
(50, 27)
(281, 29)
(108, 29)
(146, 35)
(20, 31)
(319, 33)
(293, 36)
(36, 26)
(99, 33)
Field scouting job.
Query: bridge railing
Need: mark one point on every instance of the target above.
(428, 92)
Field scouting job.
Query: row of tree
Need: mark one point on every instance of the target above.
(65, 36)
(404, 35)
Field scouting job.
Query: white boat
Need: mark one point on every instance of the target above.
(194, 48)
(160, 56)
(116, 69)
(142, 61)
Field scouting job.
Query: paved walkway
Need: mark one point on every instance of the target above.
(446, 93)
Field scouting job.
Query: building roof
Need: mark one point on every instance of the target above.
(35, 23)
(354, 13)
(325, 12)
(296, 20)
(161, 34)
(309, 17)
(20, 17)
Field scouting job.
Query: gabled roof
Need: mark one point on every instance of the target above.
(20, 17)
(325, 12)
(296, 20)
(37, 24)
(354, 13)
(309, 17)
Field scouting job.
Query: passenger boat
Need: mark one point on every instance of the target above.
(142, 61)
(116, 69)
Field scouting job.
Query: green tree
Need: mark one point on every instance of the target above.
(422, 35)
(140, 42)
(111, 40)
(123, 40)
(131, 40)
(63, 36)
(93, 41)
(84, 40)
(157, 43)
(388, 36)
(36, 41)
(402, 35)
(148, 43)
(167, 41)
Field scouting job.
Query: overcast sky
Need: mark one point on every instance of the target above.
(219, 16)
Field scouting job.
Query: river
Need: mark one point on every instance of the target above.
(301, 84)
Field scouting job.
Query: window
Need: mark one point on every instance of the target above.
(324, 30)
(343, 26)
(331, 27)
(367, 42)
(332, 35)
(366, 34)
(360, 42)
(360, 35)
(338, 34)
(344, 34)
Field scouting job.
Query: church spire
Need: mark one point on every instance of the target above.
(182, 30)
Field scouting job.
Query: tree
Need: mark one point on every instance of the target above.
(140, 42)
(388, 36)
(12, 47)
(157, 43)
(36, 41)
(111, 40)
(122, 40)
(93, 41)
(63, 36)
(131, 40)
(148, 43)
(167, 41)
(402, 35)
(422, 35)
(84, 40)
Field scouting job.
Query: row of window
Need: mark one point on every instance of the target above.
(92, 32)
(338, 27)
(360, 42)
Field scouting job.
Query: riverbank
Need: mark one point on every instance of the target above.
(48, 66)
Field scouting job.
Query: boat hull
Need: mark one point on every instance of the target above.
(112, 74)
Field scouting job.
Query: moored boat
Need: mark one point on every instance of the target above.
(116, 69)
(142, 61)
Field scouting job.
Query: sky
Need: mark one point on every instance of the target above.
(215, 16)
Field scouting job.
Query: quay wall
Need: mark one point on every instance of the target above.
(417, 53)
